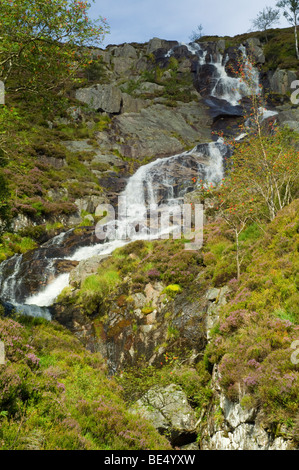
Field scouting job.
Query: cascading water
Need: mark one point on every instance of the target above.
(161, 182)
(233, 89)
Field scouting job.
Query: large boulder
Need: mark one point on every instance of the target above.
(149, 88)
(156, 43)
(126, 51)
(169, 411)
(133, 105)
(280, 81)
(105, 98)
(288, 116)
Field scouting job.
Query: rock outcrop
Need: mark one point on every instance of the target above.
(236, 427)
(169, 411)
(105, 98)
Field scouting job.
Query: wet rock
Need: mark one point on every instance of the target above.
(62, 266)
(206, 79)
(219, 108)
(81, 325)
(152, 314)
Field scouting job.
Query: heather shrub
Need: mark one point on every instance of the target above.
(55, 395)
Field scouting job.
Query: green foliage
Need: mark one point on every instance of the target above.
(4, 203)
(280, 50)
(40, 42)
(130, 86)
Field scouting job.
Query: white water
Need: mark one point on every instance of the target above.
(230, 89)
(10, 283)
(46, 297)
(233, 89)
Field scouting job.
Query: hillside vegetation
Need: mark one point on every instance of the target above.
(147, 305)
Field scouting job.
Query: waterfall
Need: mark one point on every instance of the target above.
(10, 283)
(46, 297)
(163, 182)
(233, 89)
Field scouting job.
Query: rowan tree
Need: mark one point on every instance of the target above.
(267, 165)
(232, 204)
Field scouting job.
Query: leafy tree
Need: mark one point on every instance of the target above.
(45, 42)
(268, 165)
(265, 19)
(291, 13)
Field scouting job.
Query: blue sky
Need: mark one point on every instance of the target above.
(141, 20)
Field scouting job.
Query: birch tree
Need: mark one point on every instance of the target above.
(265, 19)
(291, 13)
